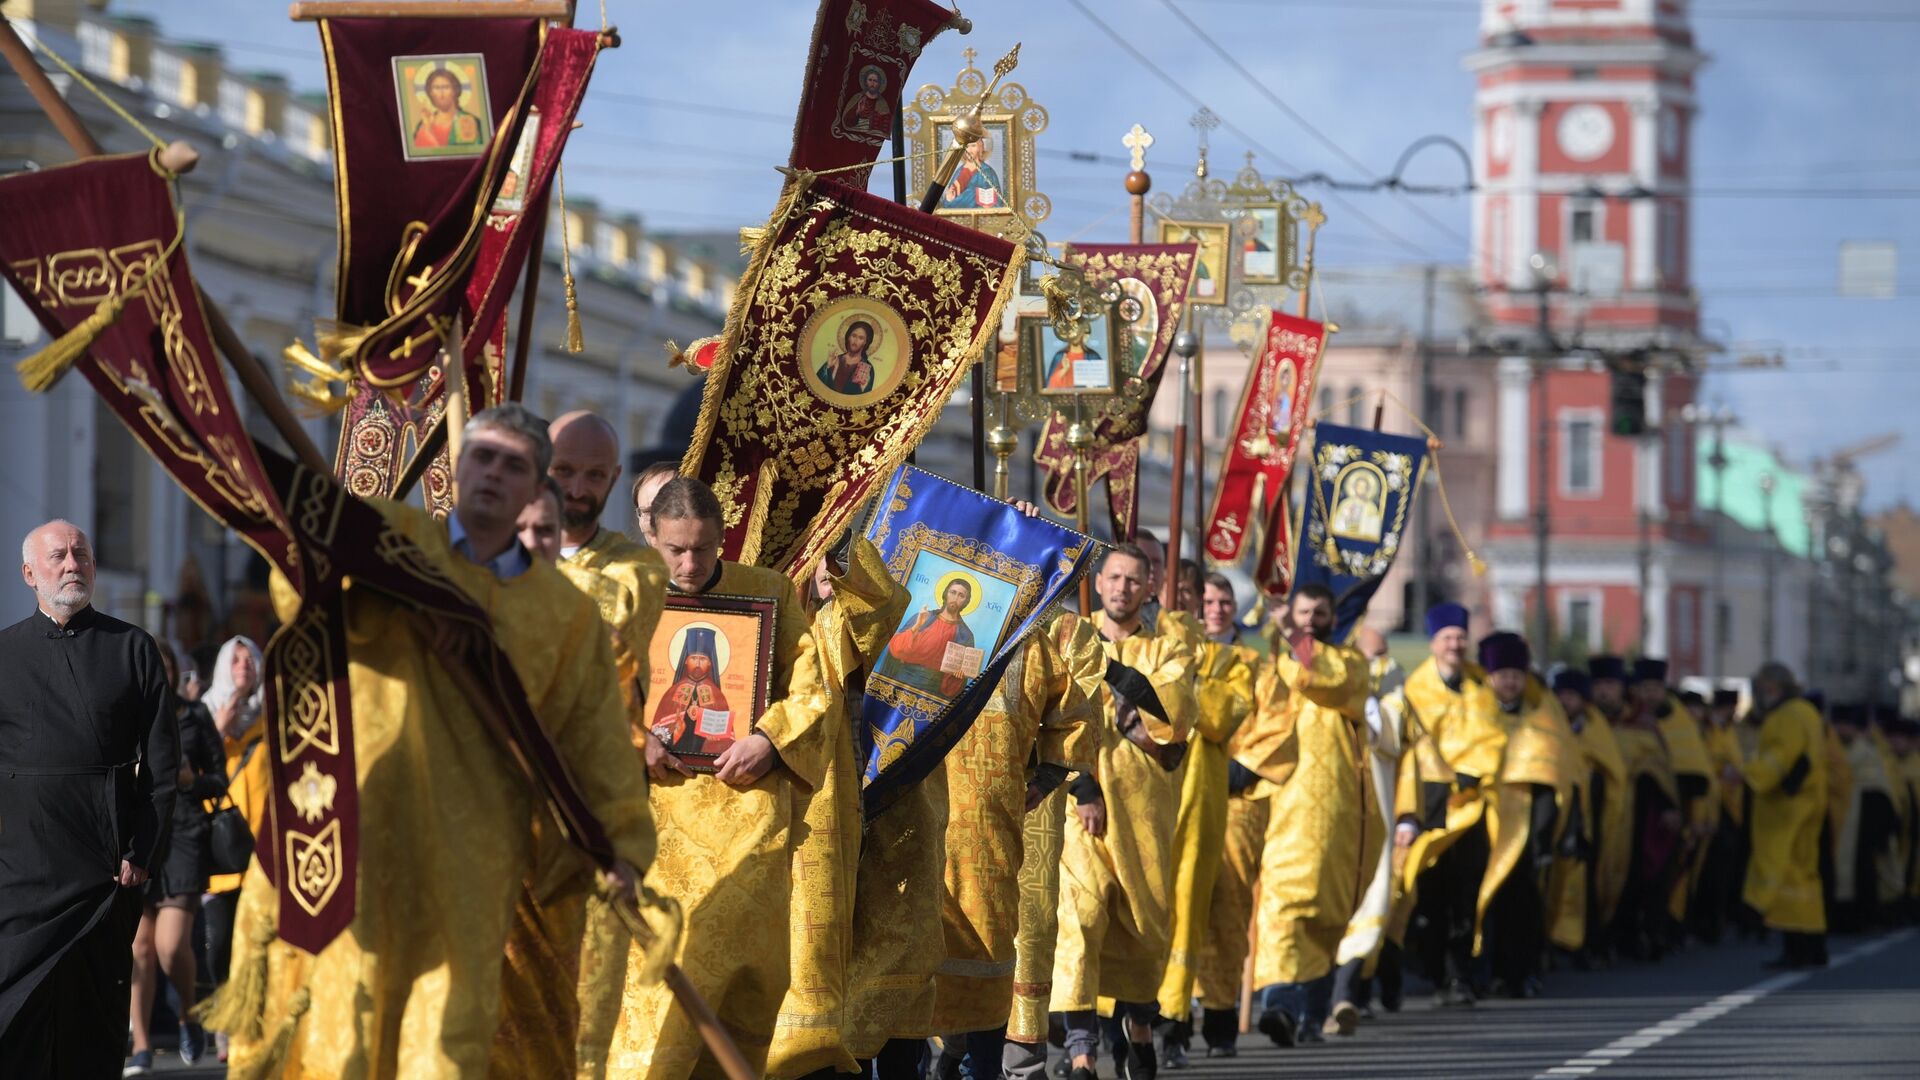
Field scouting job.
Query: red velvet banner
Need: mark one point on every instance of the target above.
(75, 237)
(385, 425)
(855, 321)
(1274, 403)
(1156, 277)
(862, 54)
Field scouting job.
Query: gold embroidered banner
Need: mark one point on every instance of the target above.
(862, 54)
(1155, 279)
(851, 327)
(1266, 434)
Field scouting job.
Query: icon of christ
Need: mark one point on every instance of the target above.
(918, 651)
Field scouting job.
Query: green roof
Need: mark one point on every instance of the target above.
(1744, 501)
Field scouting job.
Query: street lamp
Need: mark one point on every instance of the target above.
(1545, 274)
(1718, 419)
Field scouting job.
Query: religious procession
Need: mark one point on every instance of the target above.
(823, 724)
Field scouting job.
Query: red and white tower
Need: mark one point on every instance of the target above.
(1583, 116)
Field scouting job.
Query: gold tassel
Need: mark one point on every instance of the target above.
(43, 369)
(575, 341)
(239, 1007)
(271, 1061)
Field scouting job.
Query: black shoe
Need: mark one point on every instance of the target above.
(1278, 1026)
(1064, 1067)
(1367, 1013)
(1081, 1074)
(193, 1043)
(1141, 1062)
(1173, 1056)
(1225, 1051)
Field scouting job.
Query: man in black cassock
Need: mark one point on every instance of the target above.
(83, 701)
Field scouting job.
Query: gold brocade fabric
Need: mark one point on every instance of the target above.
(1540, 751)
(1869, 770)
(1038, 713)
(849, 633)
(896, 949)
(1723, 749)
(1456, 736)
(414, 987)
(1043, 836)
(1783, 873)
(1367, 930)
(1462, 730)
(724, 855)
(1319, 853)
(628, 583)
(1116, 891)
(1688, 752)
(1223, 959)
(1645, 754)
(1614, 857)
(1224, 693)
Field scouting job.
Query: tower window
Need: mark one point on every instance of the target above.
(1582, 226)
(1583, 73)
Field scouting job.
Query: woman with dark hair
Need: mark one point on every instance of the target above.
(164, 939)
(850, 371)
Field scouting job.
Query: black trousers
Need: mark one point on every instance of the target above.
(1449, 894)
(1516, 924)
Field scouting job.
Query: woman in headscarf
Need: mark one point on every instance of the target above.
(165, 937)
(234, 700)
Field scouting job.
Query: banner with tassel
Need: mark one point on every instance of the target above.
(854, 322)
(862, 54)
(1274, 403)
(436, 227)
(1155, 279)
(1359, 499)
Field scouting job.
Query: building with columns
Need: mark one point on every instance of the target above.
(1583, 114)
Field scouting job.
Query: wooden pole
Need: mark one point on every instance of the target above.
(315, 10)
(1175, 511)
(1198, 504)
(253, 378)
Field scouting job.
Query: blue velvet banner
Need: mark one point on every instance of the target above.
(983, 576)
(1360, 496)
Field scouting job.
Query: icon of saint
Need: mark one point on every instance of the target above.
(919, 647)
(692, 717)
(975, 184)
(1060, 374)
(446, 126)
(850, 370)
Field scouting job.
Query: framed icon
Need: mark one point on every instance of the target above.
(993, 188)
(959, 613)
(709, 674)
(1062, 367)
(1211, 269)
(854, 351)
(1264, 238)
(444, 108)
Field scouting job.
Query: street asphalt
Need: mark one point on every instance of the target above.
(1707, 1012)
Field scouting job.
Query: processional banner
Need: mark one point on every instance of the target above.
(1359, 498)
(983, 577)
(854, 322)
(1274, 403)
(99, 240)
(862, 53)
(446, 137)
(1154, 278)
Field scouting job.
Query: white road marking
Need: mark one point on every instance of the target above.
(1627, 1045)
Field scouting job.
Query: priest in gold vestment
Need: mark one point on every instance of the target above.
(1608, 810)
(725, 835)
(1528, 809)
(1043, 837)
(857, 609)
(1324, 824)
(1223, 671)
(414, 986)
(1032, 733)
(1116, 881)
(1444, 791)
(1639, 926)
(1788, 777)
(1694, 771)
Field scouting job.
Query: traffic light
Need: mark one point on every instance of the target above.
(1629, 403)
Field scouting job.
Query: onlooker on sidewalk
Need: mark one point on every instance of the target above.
(234, 699)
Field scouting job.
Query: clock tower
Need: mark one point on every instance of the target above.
(1582, 150)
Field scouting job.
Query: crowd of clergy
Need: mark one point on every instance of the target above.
(1165, 825)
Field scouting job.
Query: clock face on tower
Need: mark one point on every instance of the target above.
(1585, 132)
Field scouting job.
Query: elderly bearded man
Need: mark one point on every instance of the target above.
(85, 702)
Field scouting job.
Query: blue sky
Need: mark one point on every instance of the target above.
(1800, 97)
